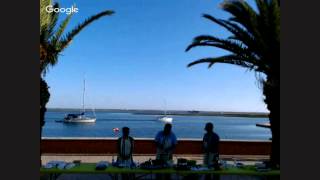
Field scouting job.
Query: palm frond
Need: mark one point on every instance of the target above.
(54, 19)
(244, 37)
(52, 38)
(274, 23)
(243, 14)
(47, 30)
(231, 27)
(61, 28)
(229, 45)
(64, 43)
(255, 35)
(44, 15)
(227, 59)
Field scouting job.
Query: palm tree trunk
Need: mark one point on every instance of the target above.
(44, 98)
(42, 122)
(271, 91)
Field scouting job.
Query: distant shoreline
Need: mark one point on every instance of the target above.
(170, 112)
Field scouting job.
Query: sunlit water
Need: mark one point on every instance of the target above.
(146, 126)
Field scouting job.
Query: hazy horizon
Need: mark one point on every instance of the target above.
(125, 109)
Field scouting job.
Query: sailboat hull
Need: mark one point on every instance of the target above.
(166, 119)
(80, 120)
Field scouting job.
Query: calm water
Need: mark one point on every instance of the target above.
(147, 126)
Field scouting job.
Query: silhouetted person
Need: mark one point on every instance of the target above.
(211, 149)
(125, 147)
(210, 145)
(166, 141)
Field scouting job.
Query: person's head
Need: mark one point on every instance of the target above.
(167, 128)
(125, 131)
(209, 127)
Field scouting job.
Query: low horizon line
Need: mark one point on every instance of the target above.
(129, 109)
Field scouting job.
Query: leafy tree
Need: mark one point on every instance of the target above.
(254, 44)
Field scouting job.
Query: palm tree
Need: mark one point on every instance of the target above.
(254, 44)
(44, 16)
(53, 40)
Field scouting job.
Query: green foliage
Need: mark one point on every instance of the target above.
(254, 42)
(44, 99)
(44, 93)
(44, 15)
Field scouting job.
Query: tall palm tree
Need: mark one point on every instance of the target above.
(53, 40)
(254, 44)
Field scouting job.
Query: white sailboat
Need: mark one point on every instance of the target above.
(81, 117)
(165, 118)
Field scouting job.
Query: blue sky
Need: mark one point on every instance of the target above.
(135, 59)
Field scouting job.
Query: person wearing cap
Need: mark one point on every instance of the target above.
(125, 147)
(210, 146)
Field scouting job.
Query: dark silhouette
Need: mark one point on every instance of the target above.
(125, 147)
(125, 150)
(254, 44)
(166, 142)
(211, 150)
(210, 146)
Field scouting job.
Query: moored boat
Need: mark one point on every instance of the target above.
(166, 119)
(80, 118)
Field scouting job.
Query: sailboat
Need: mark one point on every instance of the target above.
(165, 118)
(81, 117)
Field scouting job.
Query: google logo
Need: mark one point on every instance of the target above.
(70, 10)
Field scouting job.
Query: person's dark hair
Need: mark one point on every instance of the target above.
(168, 125)
(167, 128)
(209, 127)
(125, 130)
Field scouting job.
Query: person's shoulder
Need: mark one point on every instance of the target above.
(216, 135)
(159, 134)
(173, 135)
(131, 138)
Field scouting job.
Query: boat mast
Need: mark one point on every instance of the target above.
(84, 88)
(165, 107)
